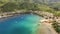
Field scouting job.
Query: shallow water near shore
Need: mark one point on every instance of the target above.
(23, 24)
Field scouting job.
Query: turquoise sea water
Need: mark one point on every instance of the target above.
(23, 24)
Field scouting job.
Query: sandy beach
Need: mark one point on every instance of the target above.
(46, 28)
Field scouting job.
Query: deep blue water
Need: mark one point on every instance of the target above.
(23, 24)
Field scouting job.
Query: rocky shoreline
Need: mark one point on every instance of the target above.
(48, 16)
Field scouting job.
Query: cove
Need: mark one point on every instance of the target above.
(22, 24)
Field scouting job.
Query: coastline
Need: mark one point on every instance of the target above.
(46, 28)
(17, 14)
(5, 18)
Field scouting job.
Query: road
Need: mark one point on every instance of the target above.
(46, 28)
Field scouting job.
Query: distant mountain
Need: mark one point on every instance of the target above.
(46, 1)
(37, 1)
(54, 0)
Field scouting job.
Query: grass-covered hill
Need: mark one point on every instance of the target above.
(42, 5)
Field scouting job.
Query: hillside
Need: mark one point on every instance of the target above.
(42, 5)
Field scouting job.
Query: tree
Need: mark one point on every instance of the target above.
(9, 7)
(56, 26)
(57, 13)
(28, 6)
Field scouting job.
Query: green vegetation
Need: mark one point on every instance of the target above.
(12, 5)
(57, 13)
(56, 27)
(28, 6)
(8, 7)
(46, 8)
(41, 5)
